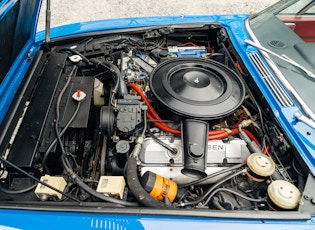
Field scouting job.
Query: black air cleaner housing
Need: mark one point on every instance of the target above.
(197, 88)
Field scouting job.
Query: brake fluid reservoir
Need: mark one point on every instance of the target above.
(158, 186)
(98, 93)
(260, 166)
(282, 195)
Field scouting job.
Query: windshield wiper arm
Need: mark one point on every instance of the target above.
(282, 57)
(305, 119)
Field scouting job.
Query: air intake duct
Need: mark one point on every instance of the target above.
(195, 142)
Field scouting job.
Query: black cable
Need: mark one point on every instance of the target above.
(108, 66)
(66, 164)
(212, 175)
(91, 191)
(77, 53)
(233, 192)
(247, 88)
(103, 156)
(61, 134)
(35, 179)
(217, 185)
(8, 191)
(209, 191)
(145, 123)
(136, 188)
(252, 98)
(81, 184)
(29, 175)
(120, 86)
(296, 170)
(58, 106)
(163, 144)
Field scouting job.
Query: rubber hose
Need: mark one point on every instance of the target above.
(91, 191)
(122, 88)
(100, 196)
(136, 188)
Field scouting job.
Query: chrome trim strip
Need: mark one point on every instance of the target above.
(269, 79)
(292, 92)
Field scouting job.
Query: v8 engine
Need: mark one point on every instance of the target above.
(165, 117)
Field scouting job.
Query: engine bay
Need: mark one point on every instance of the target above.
(165, 117)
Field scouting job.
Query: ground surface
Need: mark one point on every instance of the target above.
(64, 12)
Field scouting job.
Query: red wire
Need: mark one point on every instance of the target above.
(220, 134)
(163, 126)
(239, 67)
(213, 134)
(193, 44)
(151, 110)
(266, 150)
(152, 115)
(239, 121)
(188, 43)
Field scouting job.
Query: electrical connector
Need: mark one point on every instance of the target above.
(112, 186)
(43, 192)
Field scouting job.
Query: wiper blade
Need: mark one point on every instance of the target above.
(282, 57)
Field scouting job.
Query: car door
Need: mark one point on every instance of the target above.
(301, 20)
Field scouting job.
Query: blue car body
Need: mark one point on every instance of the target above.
(64, 220)
(301, 135)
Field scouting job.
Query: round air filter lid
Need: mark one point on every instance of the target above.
(198, 88)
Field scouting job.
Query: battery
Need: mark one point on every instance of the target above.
(187, 51)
